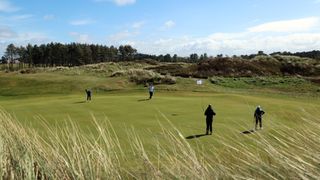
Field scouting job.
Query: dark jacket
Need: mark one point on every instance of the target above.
(88, 92)
(209, 113)
(258, 113)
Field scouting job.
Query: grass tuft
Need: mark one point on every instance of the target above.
(69, 153)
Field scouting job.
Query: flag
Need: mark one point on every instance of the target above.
(199, 82)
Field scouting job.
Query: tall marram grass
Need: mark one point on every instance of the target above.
(69, 153)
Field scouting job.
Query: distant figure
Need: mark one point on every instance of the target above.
(209, 113)
(258, 116)
(151, 90)
(88, 91)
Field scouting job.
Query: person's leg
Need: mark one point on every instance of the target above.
(260, 122)
(210, 126)
(256, 126)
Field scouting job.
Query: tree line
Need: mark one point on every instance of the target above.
(73, 54)
(76, 54)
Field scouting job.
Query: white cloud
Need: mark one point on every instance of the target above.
(81, 22)
(14, 20)
(9, 35)
(121, 36)
(21, 17)
(48, 17)
(169, 24)
(6, 33)
(22, 39)
(32, 37)
(251, 43)
(6, 6)
(232, 43)
(295, 25)
(124, 2)
(119, 2)
(268, 37)
(81, 38)
(138, 25)
(125, 42)
(3, 47)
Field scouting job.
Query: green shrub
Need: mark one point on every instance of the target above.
(216, 80)
(140, 76)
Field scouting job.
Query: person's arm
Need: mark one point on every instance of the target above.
(258, 113)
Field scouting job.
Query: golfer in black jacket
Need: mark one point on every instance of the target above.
(88, 92)
(258, 116)
(209, 113)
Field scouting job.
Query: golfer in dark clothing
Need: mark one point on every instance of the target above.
(258, 116)
(209, 113)
(151, 91)
(88, 91)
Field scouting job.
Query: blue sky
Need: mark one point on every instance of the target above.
(166, 26)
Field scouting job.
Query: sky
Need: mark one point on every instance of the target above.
(182, 27)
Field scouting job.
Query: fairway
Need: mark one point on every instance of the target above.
(126, 110)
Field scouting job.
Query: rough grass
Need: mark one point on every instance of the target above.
(141, 76)
(277, 83)
(69, 81)
(258, 66)
(286, 153)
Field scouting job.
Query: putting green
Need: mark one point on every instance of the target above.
(126, 110)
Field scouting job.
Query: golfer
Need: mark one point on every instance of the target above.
(88, 92)
(151, 90)
(209, 113)
(258, 116)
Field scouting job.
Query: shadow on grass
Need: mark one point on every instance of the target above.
(248, 131)
(143, 100)
(79, 102)
(196, 136)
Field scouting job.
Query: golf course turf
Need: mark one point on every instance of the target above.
(166, 132)
(183, 109)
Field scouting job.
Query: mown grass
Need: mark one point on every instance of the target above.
(184, 109)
